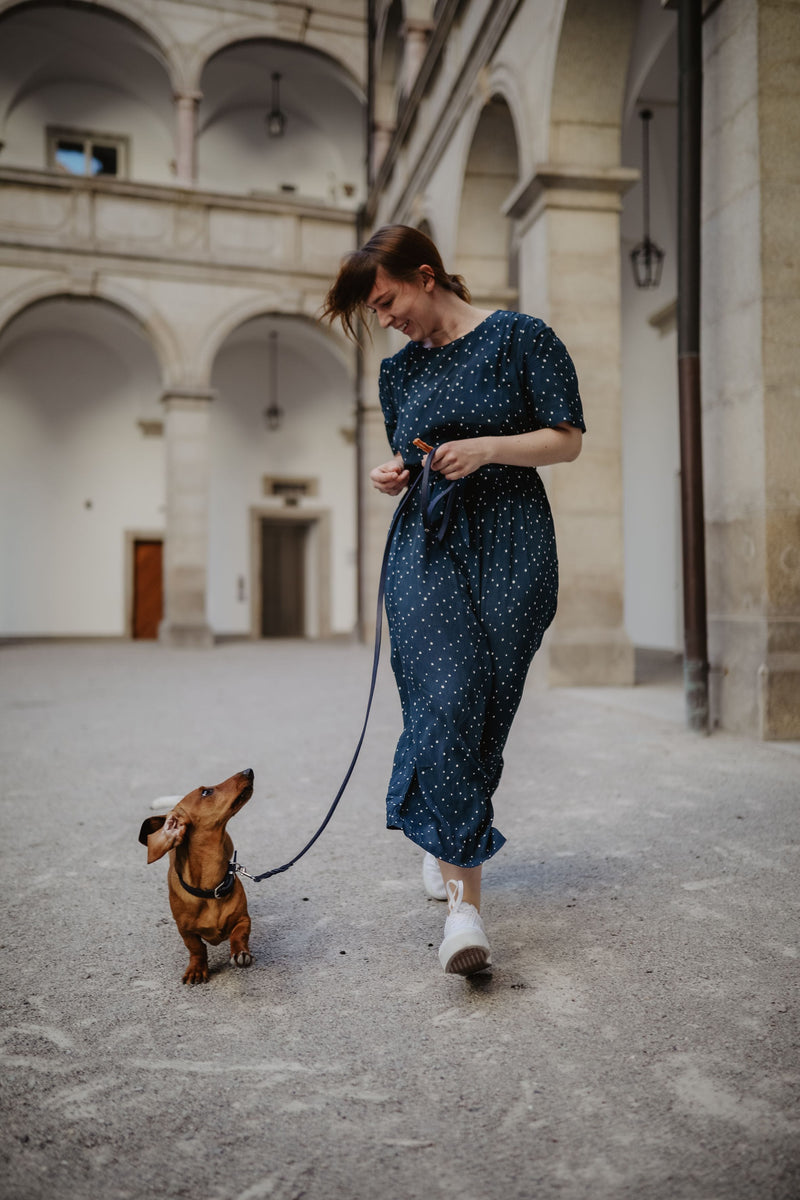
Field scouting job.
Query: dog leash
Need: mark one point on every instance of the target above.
(429, 505)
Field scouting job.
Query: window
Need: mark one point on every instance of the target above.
(78, 153)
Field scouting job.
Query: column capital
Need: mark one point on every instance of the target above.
(188, 399)
(562, 185)
(417, 26)
(191, 97)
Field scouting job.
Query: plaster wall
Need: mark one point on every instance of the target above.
(76, 471)
(650, 443)
(92, 108)
(315, 440)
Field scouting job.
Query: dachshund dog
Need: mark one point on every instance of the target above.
(206, 896)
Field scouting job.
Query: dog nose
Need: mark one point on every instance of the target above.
(248, 773)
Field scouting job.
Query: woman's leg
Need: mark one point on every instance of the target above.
(470, 877)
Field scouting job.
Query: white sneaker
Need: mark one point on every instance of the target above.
(432, 878)
(465, 949)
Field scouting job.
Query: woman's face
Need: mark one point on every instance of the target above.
(406, 305)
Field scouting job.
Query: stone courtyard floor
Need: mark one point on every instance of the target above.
(638, 1038)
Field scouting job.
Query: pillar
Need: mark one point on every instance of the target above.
(377, 509)
(186, 105)
(568, 223)
(751, 364)
(186, 430)
(382, 134)
(415, 41)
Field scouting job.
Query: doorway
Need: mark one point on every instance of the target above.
(283, 578)
(148, 587)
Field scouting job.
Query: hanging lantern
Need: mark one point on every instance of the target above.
(647, 258)
(273, 413)
(276, 118)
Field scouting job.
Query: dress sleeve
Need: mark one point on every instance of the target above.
(548, 377)
(386, 397)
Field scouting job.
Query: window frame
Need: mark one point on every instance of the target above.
(90, 138)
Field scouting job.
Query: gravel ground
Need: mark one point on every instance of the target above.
(637, 1040)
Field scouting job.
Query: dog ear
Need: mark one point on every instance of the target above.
(150, 826)
(159, 839)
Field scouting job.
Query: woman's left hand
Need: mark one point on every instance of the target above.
(456, 459)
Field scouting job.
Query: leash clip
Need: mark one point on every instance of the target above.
(237, 867)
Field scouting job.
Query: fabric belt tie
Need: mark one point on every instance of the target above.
(429, 503)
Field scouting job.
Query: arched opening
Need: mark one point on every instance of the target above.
(282, 524)
(486, 250)
(84, 92)
(81, 466)
(320, 154)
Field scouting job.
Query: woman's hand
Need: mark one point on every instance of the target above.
(454, 460)
(390, 477)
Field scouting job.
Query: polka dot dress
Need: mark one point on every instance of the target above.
(466, 614)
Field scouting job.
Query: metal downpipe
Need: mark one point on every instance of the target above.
(695, 660)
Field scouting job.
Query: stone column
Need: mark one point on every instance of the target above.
(568, 220)
(377, 509)
(382, 133)
(186, 106)
(415, 39)
(186, 431)
(750, 355)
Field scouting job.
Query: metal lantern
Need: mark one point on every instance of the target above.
(276, 118)
(273, 413)
(647, 258)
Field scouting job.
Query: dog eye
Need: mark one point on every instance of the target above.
(206, 792)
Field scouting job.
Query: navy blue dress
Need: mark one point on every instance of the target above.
(467, 614)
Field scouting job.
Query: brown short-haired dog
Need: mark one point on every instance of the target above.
(207, 899)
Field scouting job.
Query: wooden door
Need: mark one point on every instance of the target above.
(148, 593)
(283, 578)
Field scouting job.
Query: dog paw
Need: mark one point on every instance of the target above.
(195, 974)
(242, 959)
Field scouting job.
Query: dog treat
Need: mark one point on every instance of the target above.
(422, 445)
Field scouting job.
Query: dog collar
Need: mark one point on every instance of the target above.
(219, 892)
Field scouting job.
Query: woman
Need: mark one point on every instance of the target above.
(496, 394)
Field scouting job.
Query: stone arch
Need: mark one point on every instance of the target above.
(587, 98)
(65, 66)
(504, 84)
(223, 327)
(569, 208)
(320, 159)
(389, 63)
(156, 329)
(259, 30)
(283, 415)
(486, 251)
(81, 398)
(145, 21)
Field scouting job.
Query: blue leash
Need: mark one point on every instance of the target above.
(375, 660)
(428, 507)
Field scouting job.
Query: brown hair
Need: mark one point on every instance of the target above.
(401, 250)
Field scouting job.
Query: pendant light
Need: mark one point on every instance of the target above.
(647, 258)
(276, 118)
(273, 413)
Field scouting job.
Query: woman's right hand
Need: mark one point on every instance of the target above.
(390, 477)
